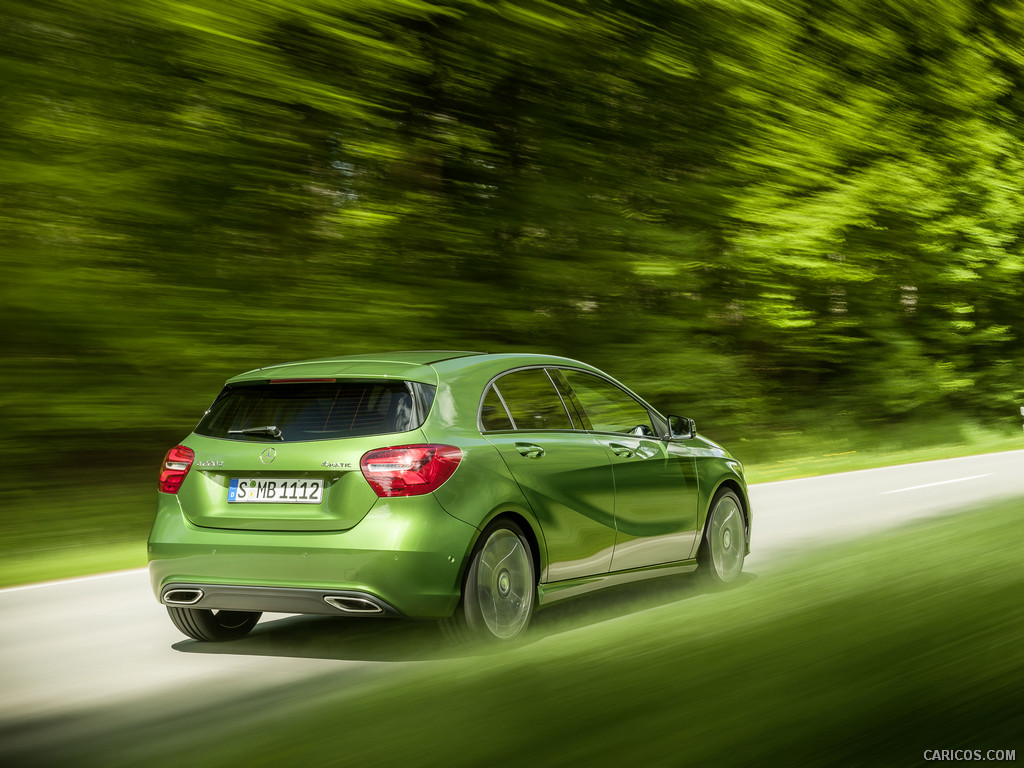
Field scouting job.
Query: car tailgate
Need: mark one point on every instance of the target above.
(346, 496)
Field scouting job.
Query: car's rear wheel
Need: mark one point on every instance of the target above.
(500, 588)
(204, 624)
(724, 547)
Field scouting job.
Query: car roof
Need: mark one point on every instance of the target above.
(417, 356)
(411, 365)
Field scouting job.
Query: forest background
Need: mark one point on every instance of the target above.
(798, 222)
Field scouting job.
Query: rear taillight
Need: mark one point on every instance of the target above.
(409, 470)
(177, 463)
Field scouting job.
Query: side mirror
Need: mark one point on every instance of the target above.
(681, 428)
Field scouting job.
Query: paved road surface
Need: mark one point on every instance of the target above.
(68, 648)
(796, 514)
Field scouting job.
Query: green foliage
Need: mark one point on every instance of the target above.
(737, 207)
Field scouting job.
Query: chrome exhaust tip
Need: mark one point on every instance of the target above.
(183, 596)
(349, 604)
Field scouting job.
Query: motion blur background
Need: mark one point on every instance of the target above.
(798, 222)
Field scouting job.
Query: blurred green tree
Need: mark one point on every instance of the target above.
(734, 206)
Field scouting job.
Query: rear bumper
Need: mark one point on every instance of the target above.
(406, 556)
(332, 602)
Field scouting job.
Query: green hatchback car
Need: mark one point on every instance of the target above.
(466, 487)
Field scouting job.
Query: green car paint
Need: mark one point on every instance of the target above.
(409, 554)
(592, 507)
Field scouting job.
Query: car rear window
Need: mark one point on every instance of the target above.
(317, 411)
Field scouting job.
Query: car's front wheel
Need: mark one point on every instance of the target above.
(500, 588)
(204, 624)
(724, 547)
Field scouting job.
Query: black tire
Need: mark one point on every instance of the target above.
(213, 626)
(724, 546)
(499, 592)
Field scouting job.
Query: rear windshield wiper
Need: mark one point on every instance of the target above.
(267, 431)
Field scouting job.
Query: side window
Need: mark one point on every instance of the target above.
(576, 412)
(532, 400)
(492, 413)
(608, 407)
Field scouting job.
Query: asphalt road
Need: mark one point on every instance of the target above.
(74, 647)
(797, 515)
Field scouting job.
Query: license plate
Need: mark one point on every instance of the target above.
(277, 490)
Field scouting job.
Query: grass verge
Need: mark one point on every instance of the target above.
(791, 454)
(69, 561)
(75, 525)
(869, 653)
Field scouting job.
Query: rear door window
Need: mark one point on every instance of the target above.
(532, 401)
(572, 404)
(317, 411)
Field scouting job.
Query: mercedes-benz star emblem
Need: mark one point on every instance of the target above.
(268, 455)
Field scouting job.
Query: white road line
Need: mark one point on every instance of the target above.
(941, 482)
(39, 584)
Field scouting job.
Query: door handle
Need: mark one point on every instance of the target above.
(529, 450)
(621, 450)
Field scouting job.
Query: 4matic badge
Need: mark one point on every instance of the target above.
(336, 465)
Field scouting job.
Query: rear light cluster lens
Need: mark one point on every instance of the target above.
(177, 463)
(409, 470)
